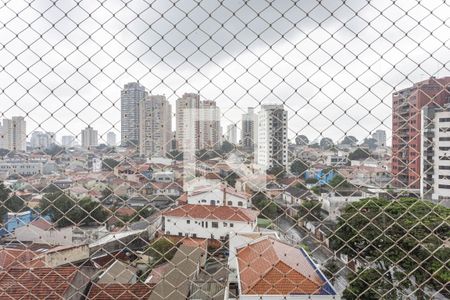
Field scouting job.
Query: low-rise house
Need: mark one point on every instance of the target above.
(208, 221)
(64, 255)
(294, 195)
(16, 220)
(11, 257)
(171, 189)
(44, 232)
(219, 195)
(163, 176)
(270, 269)
(45, 283)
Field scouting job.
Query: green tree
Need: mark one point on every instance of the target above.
(9, 202)
(370, 284)
(65, 210)
(339, 182)
(331, 268)
(298, 167)
(267, 207)
(382, 231)
(310, 210)
(161, 250)
(358, 154)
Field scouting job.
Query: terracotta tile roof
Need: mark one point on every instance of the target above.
(270, 267)
(39, 283)
(42, 224)
(18, 257)
(119, 291)
(214, 212)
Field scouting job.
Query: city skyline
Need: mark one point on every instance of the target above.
(326, 100)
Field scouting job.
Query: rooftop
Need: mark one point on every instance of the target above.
(271, 267)
(214, 212)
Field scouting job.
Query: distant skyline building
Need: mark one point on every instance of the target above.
(435, 154)
(231, 134)
(380, 137)
(249, 130)
(68, 141)
(187, 122)
(130, 97)
(42, 140)
(13, 135)
(272, 150)
(407, 105)
(155, 126)
(210, 129)
(89, 138)
(111, 139)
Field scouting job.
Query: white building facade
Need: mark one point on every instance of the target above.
(13, 135)
(435, 155)
(111, 139)
(89, 138)
(42, 140)
(155, 129)
(187, 122)
(272, 149)
(207, 221)
(232, 134)
(249, 129)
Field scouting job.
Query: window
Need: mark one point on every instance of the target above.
(240, 203)
(214, 224)
(230, 203)
(225, 224)
(188, 221)
(444, 167)
(231, 225)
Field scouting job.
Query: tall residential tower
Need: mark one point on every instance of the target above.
(407, 105)
(155, 133)
(272, 149)
(130, 97)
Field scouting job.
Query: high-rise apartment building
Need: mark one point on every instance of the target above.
(435, 154)
(68, 141)
(187, 122)
(42, 140)
(155, 126)
(380, 137)
(13, 134)
(272, 149)
(89, 138)
(231, 134)
(249, 130)
(130, 97)
(210, 129)
(407, 105)
(111, 139)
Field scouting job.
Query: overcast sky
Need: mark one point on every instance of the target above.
(333, 65)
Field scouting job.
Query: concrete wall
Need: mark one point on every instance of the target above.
(177, 225)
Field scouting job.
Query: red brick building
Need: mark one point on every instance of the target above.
(407, 105)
